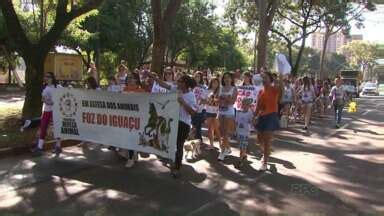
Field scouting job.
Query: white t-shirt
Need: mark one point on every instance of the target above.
(121, 80)
(288, 94)
(243, 122)
(225, 109)
(211, 108)
(337, 94)
(114, 88)
(190, 99)
(307, 94)
(47, 97)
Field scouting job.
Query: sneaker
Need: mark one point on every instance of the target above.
(130, 163)
(227, 151)
(221, 156)
(305, 128)
(263, 167)
(337, 126)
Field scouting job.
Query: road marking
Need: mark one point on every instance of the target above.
(366, 112)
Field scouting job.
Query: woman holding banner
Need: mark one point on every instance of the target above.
(168, 78)
(227, 98)
(188, 108)
(133, 85)
(46, 118)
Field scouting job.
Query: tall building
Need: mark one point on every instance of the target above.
(335, 42)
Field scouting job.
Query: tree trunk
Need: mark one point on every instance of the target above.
(323, 73)
(299, 55)
(262, 36)
(33, 84)
(161, 25)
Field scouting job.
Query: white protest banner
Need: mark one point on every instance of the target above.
(249, 91)
(138, 121)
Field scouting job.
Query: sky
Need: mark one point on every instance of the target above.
(374, 26)
(373, 30)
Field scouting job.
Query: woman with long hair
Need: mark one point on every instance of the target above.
(90, 83)
(46, 118)
(227, 98)
(212, 108)
(324, 92)
(133, 85)
(198, 119)
(266, 114)
(308, 95)
(121, 76)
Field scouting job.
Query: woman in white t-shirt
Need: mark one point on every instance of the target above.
(308, 95)
(121, 76)
(227, 98)
(211, 103)
(46, 117)
(168, 78)
(188, 108)
(113, 86)
(198, 119)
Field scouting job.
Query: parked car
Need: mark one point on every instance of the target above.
(370, 89)
(351, 90)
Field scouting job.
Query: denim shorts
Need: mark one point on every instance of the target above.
(268, 123)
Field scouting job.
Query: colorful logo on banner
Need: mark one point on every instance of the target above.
(157, 129)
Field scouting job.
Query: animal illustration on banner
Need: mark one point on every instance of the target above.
(157, 130)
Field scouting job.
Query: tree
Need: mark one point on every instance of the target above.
(304, 19)
(361, 55)
(338, 18)
(35, 52)
(162, 22)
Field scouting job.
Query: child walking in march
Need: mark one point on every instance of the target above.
(243, 128)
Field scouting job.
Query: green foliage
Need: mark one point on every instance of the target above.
(361, 53)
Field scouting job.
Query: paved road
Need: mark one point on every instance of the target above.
(322, 172)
